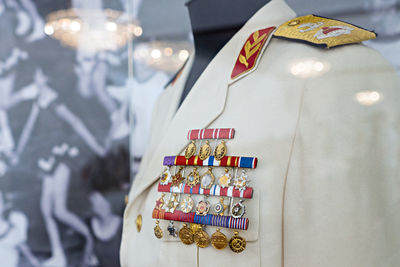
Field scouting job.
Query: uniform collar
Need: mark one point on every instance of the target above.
(206, 100)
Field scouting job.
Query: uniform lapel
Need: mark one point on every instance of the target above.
(206, 100)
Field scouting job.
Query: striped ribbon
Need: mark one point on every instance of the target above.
(227, 161)
(212, 220)
(217, 133)
(215, 190)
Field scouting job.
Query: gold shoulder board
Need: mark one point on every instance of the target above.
(322, 31)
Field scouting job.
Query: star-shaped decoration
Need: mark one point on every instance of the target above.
(172, 204)
(160, 202)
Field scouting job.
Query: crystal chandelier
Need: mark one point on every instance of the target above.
(166, 56)
(92, 29)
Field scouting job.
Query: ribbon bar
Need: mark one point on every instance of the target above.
(227, 161)
(217, 133)
(209, 219)
(215, 190)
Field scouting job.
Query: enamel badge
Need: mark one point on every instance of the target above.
(251, 52)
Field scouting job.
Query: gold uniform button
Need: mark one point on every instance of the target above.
(294, 22)
(139, 222)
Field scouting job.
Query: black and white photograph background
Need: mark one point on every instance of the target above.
(64, 154)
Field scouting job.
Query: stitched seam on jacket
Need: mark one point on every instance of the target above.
(287, 171)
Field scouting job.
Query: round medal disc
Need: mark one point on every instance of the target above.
(201, 238)
(187, 204)
(190, 150)
(219, 240)
(205, 151)
(186, 235)
(158, 232)
(238, 210)
(220, 151)
(202, 208)
(237, 243)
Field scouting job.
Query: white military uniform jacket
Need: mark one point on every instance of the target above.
(327, 185)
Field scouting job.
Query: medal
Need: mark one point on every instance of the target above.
(193, 178)
(172, 204)
(187, 204)
(207, 180)
(205, 151)
(201, 238)
(202, 207)
(220, 151)
(225, 179)
(190, 150)
(186, 235)
(238, 210)
(158, 232)
(177, 178)
(171, 229)
(240, 183)
(219, 240)
(160, 202)
(237, 243)
(220, 207)
(165, 177)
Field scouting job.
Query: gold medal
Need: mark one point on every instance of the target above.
(177, 178)
(190, 150)
(219, 240)
(193, 178)
(237, 243)
(205, 151)
(220, 151)
(207, 180)
(158, 232)
(225, 179)
(201, 238)
(186, 235)
(187, 204)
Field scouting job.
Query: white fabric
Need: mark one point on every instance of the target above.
(326, 188)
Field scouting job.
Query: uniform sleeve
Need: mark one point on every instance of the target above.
(342, 197)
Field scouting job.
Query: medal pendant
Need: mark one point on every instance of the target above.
(177, 178)
(205, 151)
(165, 177)
(186, 235)
(201, 238)
(172, 204)
(190, 150)
(220, 207)
(160, 202)
(193, 178)
(225, 179)
(237, 243)
(203, 207)
(172, 230)
(219, 240)
(158, 232)
(187, 204)
(238, 210)
(240, 182)
(220, 151)
(207, 180)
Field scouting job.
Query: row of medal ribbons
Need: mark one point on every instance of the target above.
(196, 215)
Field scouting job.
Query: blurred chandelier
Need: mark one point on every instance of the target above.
(92, 29)
(166, 56)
